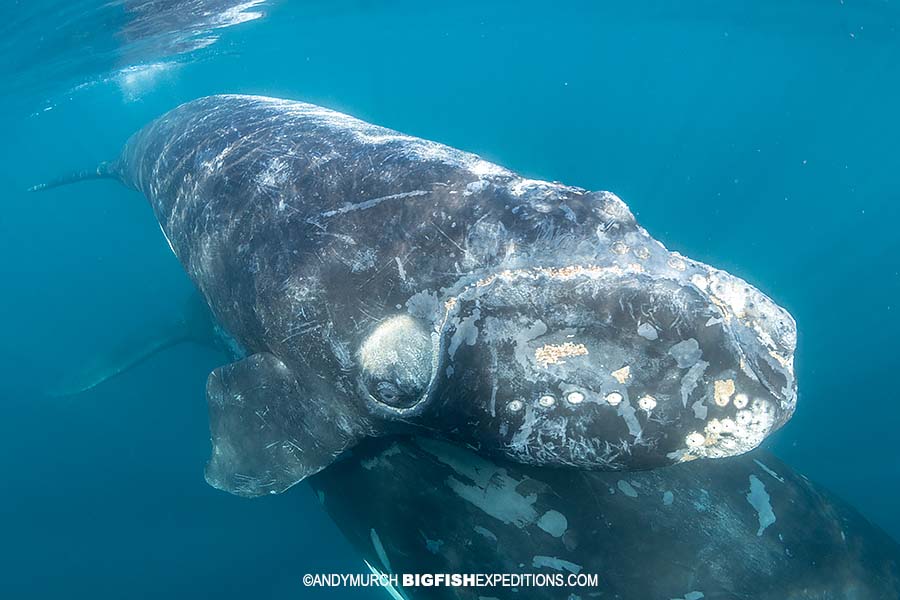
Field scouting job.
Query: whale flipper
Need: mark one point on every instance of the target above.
(269, 431)
(192, 324)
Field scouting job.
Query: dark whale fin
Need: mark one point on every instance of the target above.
(192, 324)
(120, 359)
(269, 431)
(105, 170)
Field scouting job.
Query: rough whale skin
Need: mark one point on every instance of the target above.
(381, 283)
(742, 528)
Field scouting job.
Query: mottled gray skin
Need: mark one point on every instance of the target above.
(381, 282)
(741, 528)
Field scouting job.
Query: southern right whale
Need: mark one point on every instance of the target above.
(741, 528)
(382, 284)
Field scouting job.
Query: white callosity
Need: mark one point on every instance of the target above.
(721, 438)
(647, 403)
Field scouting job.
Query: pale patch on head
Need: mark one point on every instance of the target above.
(695, 440)
(647, 403)
(641, 252)
(553, 354)
(575, 397)
(566, 273)
(733, 292)
(773, 327)
(483, 168)
(676, 264)
(547, 401)
(730, 437)
(572, 271)
(622, 375)
(615, 207)
(647, 331)
(619, 247)
(723, 389)
(686, 353)
(614, 398)
(540, 194)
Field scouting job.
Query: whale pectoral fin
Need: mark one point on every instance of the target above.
(268, 430)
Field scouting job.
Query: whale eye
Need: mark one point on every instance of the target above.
(394, 393)
(396, 362)
(387, 392)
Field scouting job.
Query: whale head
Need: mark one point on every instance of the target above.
(616, 367)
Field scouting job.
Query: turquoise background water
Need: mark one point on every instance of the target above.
(760, 137)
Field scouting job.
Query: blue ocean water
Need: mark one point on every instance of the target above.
(759, 137)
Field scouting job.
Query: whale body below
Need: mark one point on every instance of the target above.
(743, 527)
